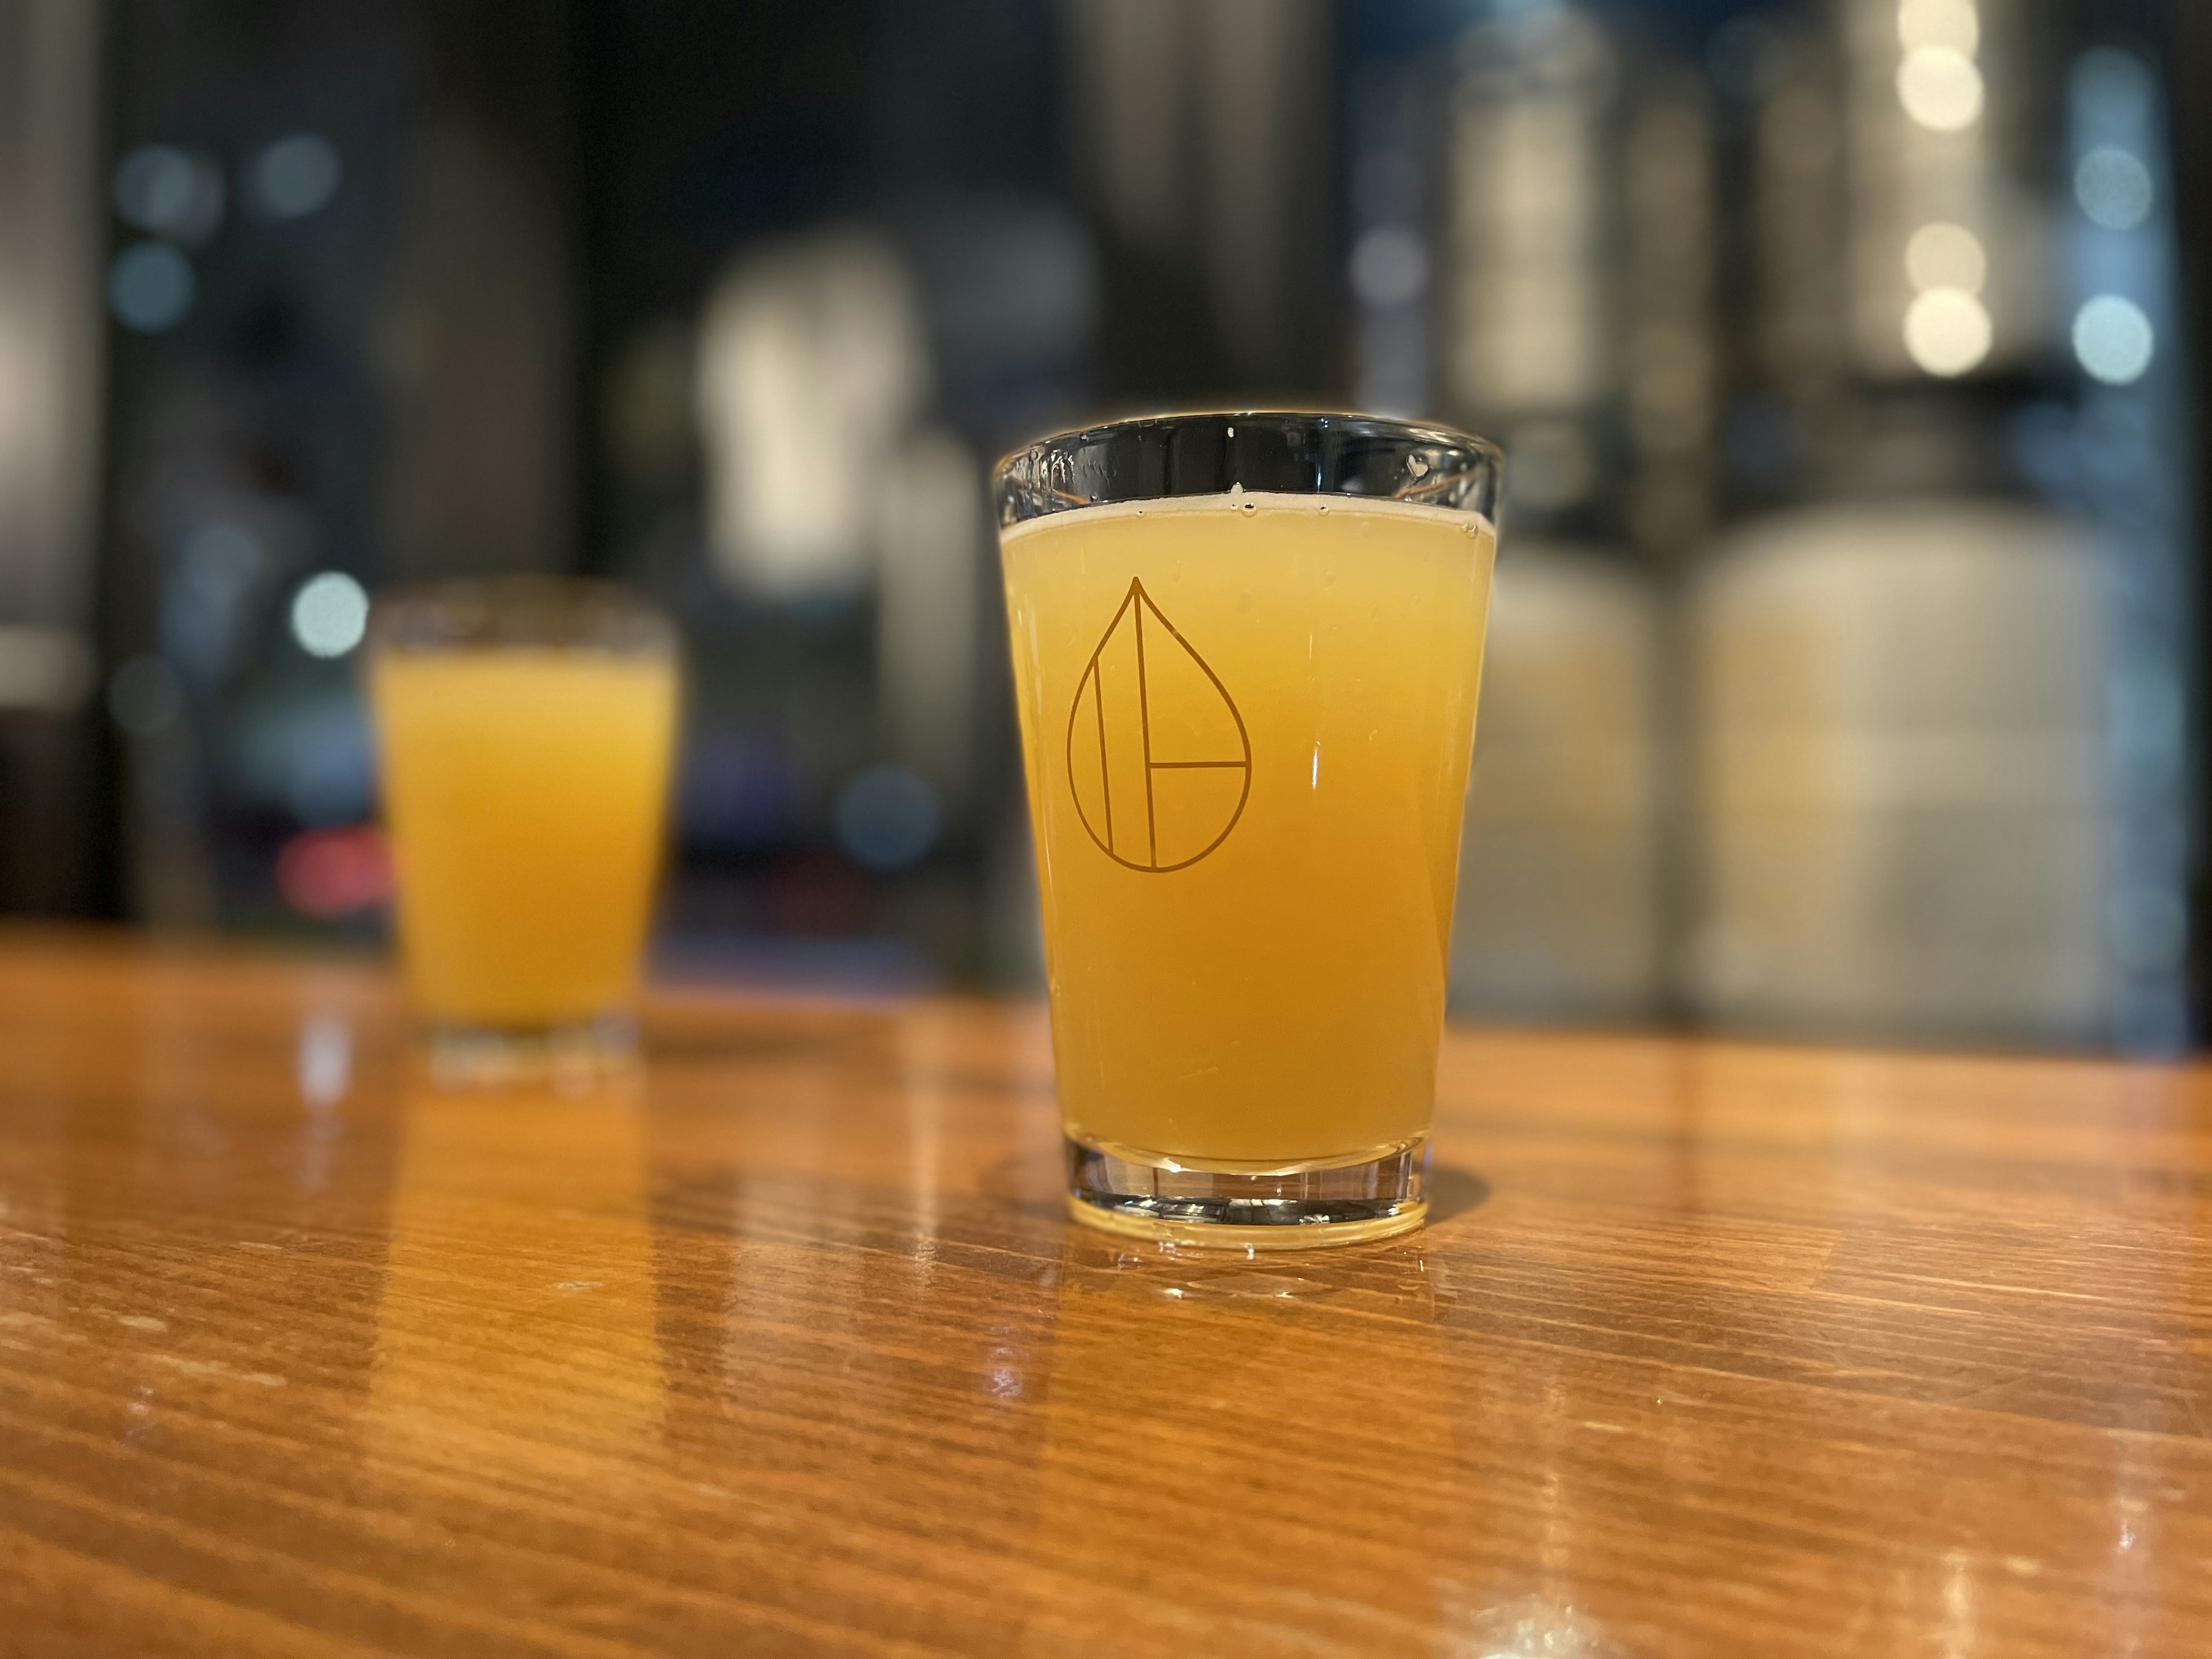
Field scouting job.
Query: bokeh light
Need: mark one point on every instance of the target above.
(1940, 88)
(1943, 255)
(2113, 188)
(296, 176)
(150, 287)
(330, 614)
(168, 191)
(330, 873)
(888, 817)
(2113, 340)
(1955, 24)
(1947, 331)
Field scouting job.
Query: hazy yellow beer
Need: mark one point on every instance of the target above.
(525, 767)
(1246, 718)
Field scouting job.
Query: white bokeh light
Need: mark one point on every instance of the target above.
(1947, 331)
(1943, 255)
(330, 614)
(2113, 188)
(1940, 88)
(1953, 23)
(2113, 340)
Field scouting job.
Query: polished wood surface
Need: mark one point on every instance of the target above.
(785, 1348)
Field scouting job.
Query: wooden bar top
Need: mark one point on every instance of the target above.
(787, 1347)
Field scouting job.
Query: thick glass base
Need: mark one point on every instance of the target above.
(572, 1058)
(1152, 1195)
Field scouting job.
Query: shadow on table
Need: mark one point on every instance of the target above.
(1454, 1192)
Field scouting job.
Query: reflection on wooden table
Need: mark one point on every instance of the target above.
(515, 1333)
(787, 1347)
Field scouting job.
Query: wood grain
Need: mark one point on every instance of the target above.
(785, 1347)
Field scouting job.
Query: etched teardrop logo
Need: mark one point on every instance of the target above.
(1159, 759)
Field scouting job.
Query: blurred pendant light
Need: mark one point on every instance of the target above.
(1948, 262)
(1903, 778)
(2123, 457)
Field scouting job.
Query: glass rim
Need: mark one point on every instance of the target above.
(1308, 452)
(518, 610)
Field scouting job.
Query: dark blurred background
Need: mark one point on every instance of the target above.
(1844, 673)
